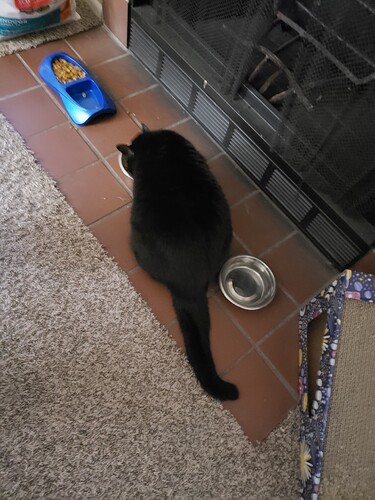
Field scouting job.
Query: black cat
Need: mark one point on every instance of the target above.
(180, 233)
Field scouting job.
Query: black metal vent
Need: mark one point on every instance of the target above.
(249, 155)
(292, 199)
(178, 83)
(332, 240)
(210, 116)
(144, 48)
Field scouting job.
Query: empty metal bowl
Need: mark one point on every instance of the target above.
(122, 166)
(247, 282)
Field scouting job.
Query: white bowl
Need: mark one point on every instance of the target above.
(247, 282)
(120, 155)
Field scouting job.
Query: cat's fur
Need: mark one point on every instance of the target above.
(180, 233)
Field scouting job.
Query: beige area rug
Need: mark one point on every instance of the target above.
(88, 20)
(96, 400)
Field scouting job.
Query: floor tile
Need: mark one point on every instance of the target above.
(264, 402)
(233, 182)
(32, 112)
(258, 323)
(113, 232)
(281, 348)
(113, 161)
(17, 77)
(227, 342)
(61, 150)
(156, 295)
(98, 38)
(366, 264)
(109, 131)
(198, 137)
(33, 57)
(123, 76)
(299, 268)
(155, 108)
(93, 192)
(259, 224)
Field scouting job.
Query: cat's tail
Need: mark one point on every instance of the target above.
(193, 317)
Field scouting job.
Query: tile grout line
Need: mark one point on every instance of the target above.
(279, 325)
(176, 124)
(171, 323)
(51, 128)
(88, 165)
(130, 115)
(101, 63)
(136, 93)
(107, 216)
(16, 94)
(249, 251)
(278, 243)
(130, 273)
(234, 320)
(246, 198)
(277, 374)
(215, 157)
(289, 295)
(235, 363)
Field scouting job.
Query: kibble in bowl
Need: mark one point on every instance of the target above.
(65, 71)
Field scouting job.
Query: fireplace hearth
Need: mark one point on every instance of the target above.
(287, 88)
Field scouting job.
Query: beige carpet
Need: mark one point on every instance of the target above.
(96, 400)
(88, 20)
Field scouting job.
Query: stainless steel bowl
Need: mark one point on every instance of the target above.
(247, 282)
(122, 166)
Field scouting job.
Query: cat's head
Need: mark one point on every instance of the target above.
(127, 155)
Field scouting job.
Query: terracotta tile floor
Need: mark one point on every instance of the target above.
(256, 350)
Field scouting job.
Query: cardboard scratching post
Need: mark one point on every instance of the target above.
(337, 387)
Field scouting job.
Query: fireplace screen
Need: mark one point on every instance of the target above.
(313, 62)
(301, 73)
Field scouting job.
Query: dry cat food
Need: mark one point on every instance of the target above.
(66, 72)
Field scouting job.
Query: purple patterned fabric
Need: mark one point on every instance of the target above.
(351, 285)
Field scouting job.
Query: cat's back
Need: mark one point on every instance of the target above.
(174, 172)
(179, 208)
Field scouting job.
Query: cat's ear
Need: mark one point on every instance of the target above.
(125, 150)
(145, 128)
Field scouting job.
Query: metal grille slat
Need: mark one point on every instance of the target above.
(142, 45)
(176, 81)
(210, 116)
(330, 237)
(243, 148)
(288, 195)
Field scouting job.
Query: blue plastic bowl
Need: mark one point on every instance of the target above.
(83, 99)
